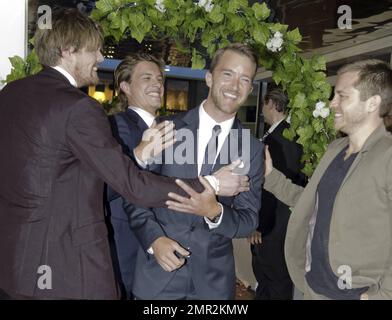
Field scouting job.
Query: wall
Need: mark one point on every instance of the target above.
(12, 33)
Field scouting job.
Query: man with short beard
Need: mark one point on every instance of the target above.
(57, 152)
(338, 242)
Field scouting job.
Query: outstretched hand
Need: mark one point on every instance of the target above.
(155, 139)
(202, 204)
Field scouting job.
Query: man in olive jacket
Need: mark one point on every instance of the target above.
(339, 238)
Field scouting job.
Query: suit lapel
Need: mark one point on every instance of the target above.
(132, 116)
(191, 122)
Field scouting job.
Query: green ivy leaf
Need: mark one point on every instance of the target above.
(260, 34)
(104, 6)
(261, 11)
(233, 6)
(197, 60)
(215, 15)
(319, 63)
(299, 101)
(294, 36)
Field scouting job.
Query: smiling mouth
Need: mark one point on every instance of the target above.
(154, 94)
(230, 96)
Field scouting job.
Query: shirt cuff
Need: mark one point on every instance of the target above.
(213, 225)
(150, 250)
(139, 162)
(214, 182)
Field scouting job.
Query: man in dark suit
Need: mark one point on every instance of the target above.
(139, 83)
(267, 242)
(169, 237)
(57, 152)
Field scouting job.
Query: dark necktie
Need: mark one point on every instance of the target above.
(210, 152)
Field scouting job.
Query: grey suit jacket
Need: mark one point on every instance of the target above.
(211, 263)
(361, 226)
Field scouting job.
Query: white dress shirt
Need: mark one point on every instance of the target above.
(206, 124)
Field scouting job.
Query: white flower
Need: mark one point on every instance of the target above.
(160, 6)
(275, 43)
(206, 4)
(316, 113)
(278, 35)
(321, 110)
(324, 113)
(320, 105)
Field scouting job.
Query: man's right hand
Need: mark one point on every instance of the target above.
(231, 184)
(155, 139)
(255, 237)
(164, 249)
(267, 162)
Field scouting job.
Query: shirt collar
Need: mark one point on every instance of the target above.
(273, 127)
(208, 122)
(66, 74)
(147, 117)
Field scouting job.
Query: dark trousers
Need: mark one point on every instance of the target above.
(269, 267)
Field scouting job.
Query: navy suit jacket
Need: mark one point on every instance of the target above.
(211, 263)
(127, 128)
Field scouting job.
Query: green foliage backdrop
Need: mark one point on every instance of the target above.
(200, 27)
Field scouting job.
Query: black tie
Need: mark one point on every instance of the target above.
(210, 153)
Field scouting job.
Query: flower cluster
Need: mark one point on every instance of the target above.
(206, 4)
(160, 6)
(275, 43)
(321, 110)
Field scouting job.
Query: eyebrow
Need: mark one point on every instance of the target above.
(341, 91)
(149, 74)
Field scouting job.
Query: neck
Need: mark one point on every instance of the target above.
(358, 137)
(67, 68)
(276, 118)
(216, 114)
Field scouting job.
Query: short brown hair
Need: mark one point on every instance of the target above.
(240, 48)
(124, 72)
(278, 98)
(374, 78)
(70, 28)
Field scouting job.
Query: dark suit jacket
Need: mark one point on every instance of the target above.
(57, 151)
(211, 263)
(286, 156)
(127, 128)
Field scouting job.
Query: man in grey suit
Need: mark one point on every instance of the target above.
(184, 257)
(339, 237)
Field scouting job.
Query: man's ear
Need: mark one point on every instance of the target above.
(209, 79)
(66, 52)
(124, 86)
(374, 103)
